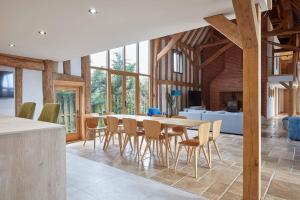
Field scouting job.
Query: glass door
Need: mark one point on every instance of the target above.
(123, 93)
(130, 102)
(117, 93)
(69, 113)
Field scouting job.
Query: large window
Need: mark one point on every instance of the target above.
(126, 68)
(144, 94)
(177, 61)
(99, 90)
(116, 58)
(144, 57)
(99, 59)
(130, 58)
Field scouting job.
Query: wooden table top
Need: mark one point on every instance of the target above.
(162, 120)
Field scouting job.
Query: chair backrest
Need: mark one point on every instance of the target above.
(178, 128)
(203, 133)
(27, 110)
(49, 113)
(152, 129)
(92, 122)
(107, 113)
(130, 126)
(216, 129)
(112, 124)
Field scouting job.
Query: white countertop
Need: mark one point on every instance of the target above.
(12, 125)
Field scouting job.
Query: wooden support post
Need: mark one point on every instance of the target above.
(48, 87)
(154, 73)
(67, 67)
(19, 89)
(246, 34)
(86, 75)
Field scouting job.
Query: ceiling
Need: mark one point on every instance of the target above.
(73, 32)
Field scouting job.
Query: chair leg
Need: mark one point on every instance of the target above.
(190, 154)
(175, 146)
(196, 162)
(120, 142)
(142, 143)
(217, 148)
(157, 149)
(125, 144)
(130, 142)
(206, 157)
(209, 152)
(105, 138)
(160, 155)
(137, 148)
(177, 156)
(108, 140)
(147, 147)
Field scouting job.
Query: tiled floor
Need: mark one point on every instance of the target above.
(89, 180)
(280, 166)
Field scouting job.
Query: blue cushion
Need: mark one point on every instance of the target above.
(294, 128)
(153, 111)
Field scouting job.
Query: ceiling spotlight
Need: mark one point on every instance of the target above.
(42, 32)
(93, 11)
(11, 45)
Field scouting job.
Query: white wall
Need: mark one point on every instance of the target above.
(76, 67)
(270, 103)
(7, 105)
(33, 89)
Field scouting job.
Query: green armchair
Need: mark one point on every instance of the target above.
(27, 110)
(49, 113)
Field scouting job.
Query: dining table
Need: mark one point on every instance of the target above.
(164, 121)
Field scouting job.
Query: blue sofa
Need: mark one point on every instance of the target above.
(294, 128)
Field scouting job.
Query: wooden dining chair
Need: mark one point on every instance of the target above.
(111, 130)
(49, 113)
(131, 130)
(216, 130)
(27, 110)
(177, 131)
(195, 144)
(153, 134)
(91, 125)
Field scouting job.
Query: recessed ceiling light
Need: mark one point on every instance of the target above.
(93, 11)
(11, 45)
(42, 32)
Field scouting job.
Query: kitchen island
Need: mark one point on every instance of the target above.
(32, 160)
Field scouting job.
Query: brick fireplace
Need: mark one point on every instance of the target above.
(223, 78)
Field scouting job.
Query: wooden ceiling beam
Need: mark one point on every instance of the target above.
(281, 32)
(247, 23)
(21, 62)
(202, 36)
(285, 46)
(197, 38)
(287, 13)
(169, 46)
(215, 55)
(226, 27)
(202, 46)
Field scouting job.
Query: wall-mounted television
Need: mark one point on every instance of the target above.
(6, 84)
(194, 98)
